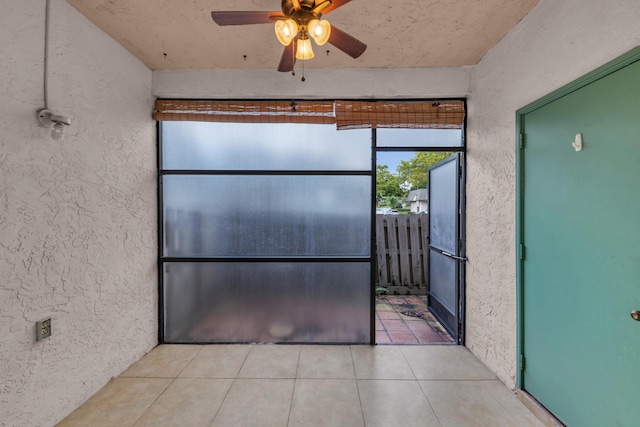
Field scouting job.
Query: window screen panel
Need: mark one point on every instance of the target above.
(267, 302)
(266, 215)
(419, 138)
(255, 146)
(443, 231)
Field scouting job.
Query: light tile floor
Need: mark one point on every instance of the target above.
(407, 320)
(308, 385)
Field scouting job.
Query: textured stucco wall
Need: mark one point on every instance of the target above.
(555, 44)
(77, 217)
(364, 83)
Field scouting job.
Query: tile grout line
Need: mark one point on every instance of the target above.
(353, 362)
(235, 379)
(154, 400)
(420, 386)
(404, 356)
(173, 379)
(295, 383)
(355, 378)
(364, 422)
(453, 380)
(189, 362)
(223, 400)
(244, 361)
(406, 380)
(429, 403)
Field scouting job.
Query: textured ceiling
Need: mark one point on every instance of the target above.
(180, 34)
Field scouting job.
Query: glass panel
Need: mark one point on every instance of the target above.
(267, 302)
(442, 279)
(222, 215)
(419, 137)
(443, 202)
(242, 146)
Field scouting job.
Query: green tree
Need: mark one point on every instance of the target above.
(393, 202)
(415, 172)
(387, 184)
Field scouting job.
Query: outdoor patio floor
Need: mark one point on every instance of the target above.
(406, 320)
(304, 385)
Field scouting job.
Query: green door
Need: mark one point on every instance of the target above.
(581, 269)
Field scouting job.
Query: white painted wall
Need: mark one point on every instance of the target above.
(77, 217)
(555, 44)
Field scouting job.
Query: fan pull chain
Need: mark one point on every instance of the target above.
(303, 79)
(293, 58)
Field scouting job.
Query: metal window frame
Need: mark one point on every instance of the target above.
(372, 252)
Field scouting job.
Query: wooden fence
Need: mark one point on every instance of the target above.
(402, 252)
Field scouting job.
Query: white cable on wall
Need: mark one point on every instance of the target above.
(45, 116)
(46, 53)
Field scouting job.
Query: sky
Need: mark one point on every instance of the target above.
(393, 158)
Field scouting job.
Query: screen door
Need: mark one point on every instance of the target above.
(444, 243)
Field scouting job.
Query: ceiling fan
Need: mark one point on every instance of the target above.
(298, 23)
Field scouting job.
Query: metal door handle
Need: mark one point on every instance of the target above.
(635, 315)
(459, 258)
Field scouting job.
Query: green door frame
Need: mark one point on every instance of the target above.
(603, 71)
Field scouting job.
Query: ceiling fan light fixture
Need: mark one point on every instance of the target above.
(286, 30)
(298, 22)
(319, 30)
(304, 50)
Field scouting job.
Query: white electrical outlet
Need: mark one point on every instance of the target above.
(43, 329)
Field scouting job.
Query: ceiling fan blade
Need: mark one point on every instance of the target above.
(334, 5)
(346, 43)
(321, 6)
(296, 4)
(288, 59)
(244, 18)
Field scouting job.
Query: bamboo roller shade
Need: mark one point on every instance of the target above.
(314, 112)
(345, 114)
(407, 115)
